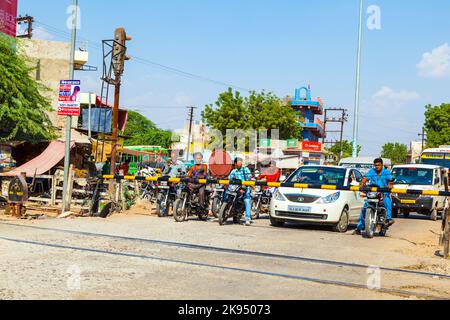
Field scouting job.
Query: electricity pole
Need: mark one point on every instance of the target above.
(191, 120)
(341, 120)
(423, 135)
(358, 84)
(65, 201)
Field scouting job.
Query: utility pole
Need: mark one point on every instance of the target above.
(342, 119)
(191, 120)
(65, 201)
(118, 60)
(423, 135)
(358, 84)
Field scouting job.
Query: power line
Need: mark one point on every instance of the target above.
(147, 62)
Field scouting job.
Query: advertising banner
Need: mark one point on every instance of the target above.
(8, 17)
(69, 98)
(312, 146)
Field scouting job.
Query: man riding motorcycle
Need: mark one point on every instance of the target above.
(199, 171)
(382, 178)
(243, 174)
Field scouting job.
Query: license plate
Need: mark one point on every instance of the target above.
(408, 201)
(299, 209)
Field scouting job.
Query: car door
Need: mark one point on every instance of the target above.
(351, 195)
(359, 200)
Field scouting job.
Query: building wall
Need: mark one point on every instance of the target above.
(52, 62)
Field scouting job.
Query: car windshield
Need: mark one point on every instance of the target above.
(413, 176)
(318, 176)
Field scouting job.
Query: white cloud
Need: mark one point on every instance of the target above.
(435, 64)
(182, 99)
(390, 96)
(42, 34)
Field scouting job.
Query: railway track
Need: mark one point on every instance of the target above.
(234, 252)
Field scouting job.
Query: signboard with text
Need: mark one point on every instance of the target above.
(69, 98)
(312, 146)
(8, 17)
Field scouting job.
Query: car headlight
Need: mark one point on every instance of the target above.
(330, 199)
(278, 196)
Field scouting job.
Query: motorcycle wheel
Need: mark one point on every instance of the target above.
(179, 213)
(256, 211)
(384, 231)
(216, 205)
(158, 208)
(370, 223)
(222, 216)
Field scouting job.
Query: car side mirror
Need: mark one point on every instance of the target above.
(283, 179)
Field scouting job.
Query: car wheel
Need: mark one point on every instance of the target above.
(344, 222)
(395, 213)
(276, 223)
(406, 215)
(434, 215)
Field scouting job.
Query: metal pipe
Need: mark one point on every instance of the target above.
(358, 84)
(65, 201)
(89, 116)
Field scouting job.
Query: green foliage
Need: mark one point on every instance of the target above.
(397, 152)
(258, 111)
(347, 148)
(23, 109)
(437, 125)
(142, 131)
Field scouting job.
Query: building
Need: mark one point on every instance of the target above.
(414, 152)
(51, 61)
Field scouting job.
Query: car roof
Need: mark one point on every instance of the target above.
(323, 166)
(365, 160)
(419, 166)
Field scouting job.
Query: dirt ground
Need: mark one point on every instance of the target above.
(139, 256)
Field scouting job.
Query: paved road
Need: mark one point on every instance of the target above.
(142, 257)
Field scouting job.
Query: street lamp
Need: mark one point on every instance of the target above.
(358, 78)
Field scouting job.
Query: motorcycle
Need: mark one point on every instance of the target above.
(376, 215)
(167, 195)
(188, 204)
(233, 206)
(261, 201)
(149, 190)
(217, 199)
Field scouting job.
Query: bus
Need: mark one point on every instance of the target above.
(438, 157)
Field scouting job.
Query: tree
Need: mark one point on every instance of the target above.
(437, 125)
(397, 152)
(142, 131)
(347, 148)
(257, 111)
(23, 108)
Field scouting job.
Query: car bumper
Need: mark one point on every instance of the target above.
(325, 214)
(419, 205)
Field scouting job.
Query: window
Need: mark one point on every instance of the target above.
(413, 176)
(319, 176)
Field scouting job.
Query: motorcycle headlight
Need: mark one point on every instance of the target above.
(278, 196)
(330, 199)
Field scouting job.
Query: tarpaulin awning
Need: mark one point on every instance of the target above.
(44, 162)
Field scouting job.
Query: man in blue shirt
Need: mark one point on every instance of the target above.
(382, 178)
(243, 174)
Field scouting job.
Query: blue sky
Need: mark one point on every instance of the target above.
(271, 45)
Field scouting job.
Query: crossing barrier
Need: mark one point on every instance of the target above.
(279, 185)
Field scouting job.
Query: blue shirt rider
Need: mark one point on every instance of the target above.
(243, 174)
(382, 178)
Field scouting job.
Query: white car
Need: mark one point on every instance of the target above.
(330, 207)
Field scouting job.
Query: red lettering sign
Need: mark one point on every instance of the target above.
(311, 146)
(8, 17)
